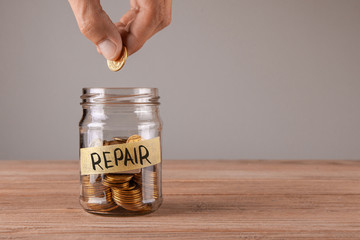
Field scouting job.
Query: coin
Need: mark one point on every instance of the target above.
(150, 186)
(107, 207)
(133, 138)
(120, 139)
(129, 199)
(96, 196)
(138, 178)
(118, 64)
(118, 178)
(116, 140)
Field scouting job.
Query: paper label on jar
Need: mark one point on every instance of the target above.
(120, 157)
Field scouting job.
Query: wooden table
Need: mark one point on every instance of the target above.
(202, 200)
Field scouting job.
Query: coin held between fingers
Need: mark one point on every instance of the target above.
(118, 64)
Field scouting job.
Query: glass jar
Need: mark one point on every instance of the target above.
(120, 151)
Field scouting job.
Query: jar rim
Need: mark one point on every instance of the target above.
(119, 88)
(123, 95)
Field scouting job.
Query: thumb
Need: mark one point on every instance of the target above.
(96, 25)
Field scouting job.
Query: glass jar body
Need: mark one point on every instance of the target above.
(119, 118)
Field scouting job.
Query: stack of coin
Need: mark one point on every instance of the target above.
(107, 192)
(130, 198)
(147, 179)
(138, 178)
(97, 196)
(117, 180)
(92, 187)
(150, 186)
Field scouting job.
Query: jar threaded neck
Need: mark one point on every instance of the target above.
(95, 96)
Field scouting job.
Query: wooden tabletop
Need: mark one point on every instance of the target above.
(202, 200)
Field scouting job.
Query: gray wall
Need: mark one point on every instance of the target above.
(238, 79)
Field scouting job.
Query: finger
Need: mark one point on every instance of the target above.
(124, 25)
(167, 17)
(96, 25)
(128, 18)
(123, 30)
(142, 27)
(149, 19)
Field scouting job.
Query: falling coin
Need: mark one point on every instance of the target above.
(118, 64)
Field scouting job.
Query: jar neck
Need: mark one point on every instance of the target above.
(119, 97)
(116, 109)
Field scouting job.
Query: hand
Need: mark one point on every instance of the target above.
(143, 20)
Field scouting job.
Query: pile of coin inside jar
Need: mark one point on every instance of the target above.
(112, 192)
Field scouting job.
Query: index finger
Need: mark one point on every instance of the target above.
(141, 28)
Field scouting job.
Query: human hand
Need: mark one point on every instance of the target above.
(141, 22)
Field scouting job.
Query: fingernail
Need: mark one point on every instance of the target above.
(107, 48)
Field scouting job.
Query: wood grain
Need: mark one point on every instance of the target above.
(202, 200)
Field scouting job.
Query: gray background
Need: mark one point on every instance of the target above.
(238, 79)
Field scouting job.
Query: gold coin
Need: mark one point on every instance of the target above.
(118, 185)
(102, 207)
(119, 139)
(129, 199)
(138, 178)
(118, 64)
(117, 178)
(99, 193)
(113, 142)
(134, 138)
